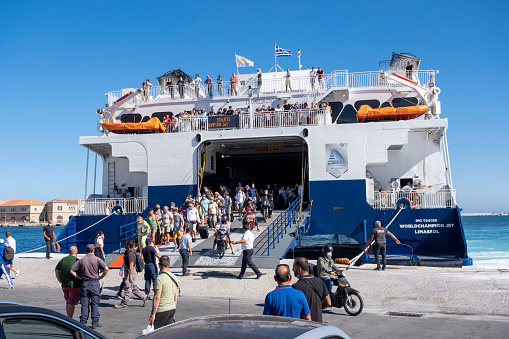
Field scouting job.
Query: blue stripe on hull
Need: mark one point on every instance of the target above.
(340, 207)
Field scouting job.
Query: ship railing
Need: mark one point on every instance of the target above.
(262, 119)
(106, 206)
(338, 79)
(419, 199)
(279, 227)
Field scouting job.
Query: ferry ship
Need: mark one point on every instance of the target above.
(372, 133)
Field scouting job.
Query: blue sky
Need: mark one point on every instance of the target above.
(58, 58)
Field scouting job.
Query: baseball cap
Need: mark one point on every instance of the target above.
(148, 241)
(90, 247)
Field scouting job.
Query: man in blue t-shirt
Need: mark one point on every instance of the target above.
(286, 301)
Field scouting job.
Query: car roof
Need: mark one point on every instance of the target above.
(14, 309)
(246, 327)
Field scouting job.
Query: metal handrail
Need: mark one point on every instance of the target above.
(419, 199)
(278, 227)
(126, 233)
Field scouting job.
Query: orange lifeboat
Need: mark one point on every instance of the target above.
(152, 125)
(366, 113)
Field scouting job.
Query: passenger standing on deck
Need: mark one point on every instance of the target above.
(312, 78)
(99, 245)
(197, 82)
(320, 75)
(169, 85)
(149, 257)
(287, 80)
(409, 70)
(143, 230)
(233, 84)
(165, 296)
(71, 286)
(313, 288)
(208, 81)
(147, 89)
(286, 301)
(186, 251)
(181, 83)
(130, 276)
(219, 82)
(87, 269)
(178, 227)
(378, 234)
(247, 252)
(49, 235)
(153, 222)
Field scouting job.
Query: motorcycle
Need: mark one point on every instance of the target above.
(267, 207)
(222, 236)
(346, 296)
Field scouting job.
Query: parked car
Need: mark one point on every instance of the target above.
(247, 327)
(20, 321)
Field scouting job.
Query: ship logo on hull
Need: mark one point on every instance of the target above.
(337, 161)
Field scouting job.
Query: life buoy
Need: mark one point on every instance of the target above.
(289, 119)
(56, 247)
(415, 199)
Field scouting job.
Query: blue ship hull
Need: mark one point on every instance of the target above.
(339, 207)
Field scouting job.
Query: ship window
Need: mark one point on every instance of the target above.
(130, 117)
(336, 108)
(145, 119)
(161, 115)
(404, 102)
(371, 103)
(348, 115)
(386, 104)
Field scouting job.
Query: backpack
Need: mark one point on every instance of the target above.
(8, 254)
(139, 264)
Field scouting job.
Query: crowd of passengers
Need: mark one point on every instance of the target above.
(171, 121)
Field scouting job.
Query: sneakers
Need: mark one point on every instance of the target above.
(16, 273)
(119, 296)
(376, 269)
(145, 301)
(96, 326)
(240, 277)
(258, 276)
(194, 240)
(187, 273)
(120, 306)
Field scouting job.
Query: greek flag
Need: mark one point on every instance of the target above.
(283, 52)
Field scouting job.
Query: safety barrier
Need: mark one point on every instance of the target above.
(105, 206)
(127, 232)
(419, 199)
(278, 228)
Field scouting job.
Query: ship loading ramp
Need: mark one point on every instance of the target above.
(262, 161)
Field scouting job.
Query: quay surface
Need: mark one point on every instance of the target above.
(448, 302)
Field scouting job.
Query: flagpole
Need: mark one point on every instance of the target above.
(236, 63)
(275, 57)
(300, 66)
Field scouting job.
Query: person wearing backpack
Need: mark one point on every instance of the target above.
(315, 290)
(11, 242)
(131, 261)
(3, 264)
(165, 296)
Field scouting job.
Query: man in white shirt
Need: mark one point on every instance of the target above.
(11, 242)
(247, 252)
(312, 78)
(193, 219)
(197, 82)
(407, 188)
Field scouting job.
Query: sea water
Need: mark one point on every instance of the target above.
(487, 240)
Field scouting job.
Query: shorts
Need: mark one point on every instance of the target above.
(167, 228)
(287, 83)
(192, 225)
(177, 235)
(164, 318)
(153, 229)
(71, 295)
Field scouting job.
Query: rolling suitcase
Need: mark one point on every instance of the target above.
(204, 232)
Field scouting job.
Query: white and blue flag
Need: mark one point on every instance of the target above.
(283, 52)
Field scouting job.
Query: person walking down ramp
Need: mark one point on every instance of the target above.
(143, 231)
(378, 234)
